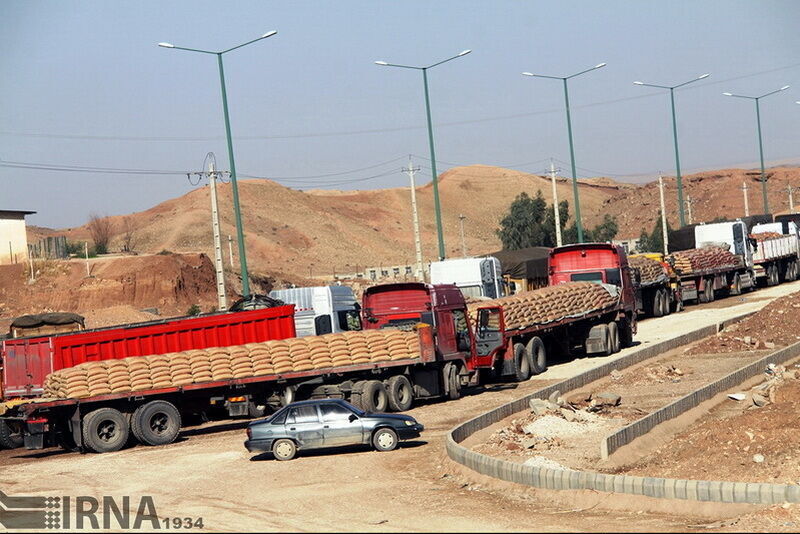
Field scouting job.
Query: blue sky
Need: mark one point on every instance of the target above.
(84, 84)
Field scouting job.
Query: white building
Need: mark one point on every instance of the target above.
(13, 236)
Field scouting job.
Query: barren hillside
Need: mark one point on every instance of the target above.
(300, 233)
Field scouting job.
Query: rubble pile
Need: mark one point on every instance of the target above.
(224, 363)
(764, 393)
(650, 270)
(552, 303)
(701, 259)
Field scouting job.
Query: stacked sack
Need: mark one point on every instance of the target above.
(225, 363)
(765, 235)
(552, 303)
(701, 259)
(650, 270)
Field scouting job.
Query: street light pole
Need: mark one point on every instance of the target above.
(578, 221)
(234, 182)
(435, 176)
(760, 142)
(678, 176)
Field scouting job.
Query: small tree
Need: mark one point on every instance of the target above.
(194, 309)
(654, 242)
(128, 237)
(522, 226)
(100, 228)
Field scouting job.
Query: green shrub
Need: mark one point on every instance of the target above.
(194, 309)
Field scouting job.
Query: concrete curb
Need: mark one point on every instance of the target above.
(558, 479)
(644, 425)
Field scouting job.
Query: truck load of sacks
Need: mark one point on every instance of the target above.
(650, 270)
(702, 259)
(552, 303)
(139, 373)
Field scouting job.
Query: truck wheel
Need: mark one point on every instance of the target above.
(677, 304)
(708, 292)
(771, 276)
(625, 333)
(736, 286)
(655, 309)
(537, 355)
(374, 397)
(401, 393)
(10, 435)
(384, 440)
(665, 304)
(156, 423)
(613, 333)
(105, 430)
(284, 449)
(608, 342)
(522, 368)
(454, 383)
(288, 395)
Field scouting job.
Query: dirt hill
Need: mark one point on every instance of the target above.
(300, 233)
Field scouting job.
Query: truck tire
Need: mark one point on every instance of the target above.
(374, 397)
(10, 435)
(771, 278)
(105, 430)
(401, 393)
(454, 383)
(625, 333)
(537, 355)
(284, 449)
(655, 305)
(708, 292)
(736, 285)
(385, 439)
(522, 367)
(613, 333)
(609, 342)
(665, 304)
(288, 395)
(156, 423)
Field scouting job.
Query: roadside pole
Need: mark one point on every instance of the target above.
(663, 215)
(222, 299)
(461, 218)
(746, 201)
(689, 202)
(86, 253)
(411, 171)
(230, 250)
(555, 203)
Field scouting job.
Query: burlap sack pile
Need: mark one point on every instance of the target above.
(701, 259)
(225, 363)
(766, 235)
(550, 304)
(650, 270)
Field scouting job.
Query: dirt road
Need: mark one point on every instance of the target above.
(208, 473)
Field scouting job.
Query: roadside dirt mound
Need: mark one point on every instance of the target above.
(776, 325)
(171, 283)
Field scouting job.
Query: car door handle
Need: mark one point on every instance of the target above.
(326, 426)
(292, 428)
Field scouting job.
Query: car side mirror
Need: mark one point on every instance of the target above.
(353, 417)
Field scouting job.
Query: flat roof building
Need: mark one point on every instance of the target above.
(13, 236)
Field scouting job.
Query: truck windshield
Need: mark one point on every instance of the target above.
(471, 291)
(349, 320)
(587, 277)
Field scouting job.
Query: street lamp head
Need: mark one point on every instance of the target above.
(269, 34)
(464, 53)
(599, 65)
(527, 74)
(706, 75)
(166, 45)
(638, 83)
(728, 94)
(381, 63)
(785, 87)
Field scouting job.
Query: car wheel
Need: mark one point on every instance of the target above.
(284, 449)
(385, 439)
(401, 393)
(156, 423)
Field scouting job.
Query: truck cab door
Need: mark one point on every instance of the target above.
(488, 331)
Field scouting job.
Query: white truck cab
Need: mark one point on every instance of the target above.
(322, 310)
(731, 235)
(476, 277)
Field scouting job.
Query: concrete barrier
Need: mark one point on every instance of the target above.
(564, 479)
(644, 425)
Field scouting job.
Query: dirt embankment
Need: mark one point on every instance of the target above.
(114, 292)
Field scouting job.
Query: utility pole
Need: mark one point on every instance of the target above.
(86, 253)
(461, 218)
(790, 190)
(411, 171)
(211, 173)
(664, 215)
(230, 250)
(689, 203)
(553, 171)
(746, 200)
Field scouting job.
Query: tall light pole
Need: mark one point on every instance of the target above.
(578, 222)
(234, 184)
(760, 143)
(675, 136)
(435, 178)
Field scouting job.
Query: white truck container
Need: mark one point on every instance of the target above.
(476, 277)
(776, 259)
(322, 310)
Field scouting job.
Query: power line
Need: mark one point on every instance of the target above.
(380, 130)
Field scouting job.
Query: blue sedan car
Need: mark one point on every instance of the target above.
(324, 423)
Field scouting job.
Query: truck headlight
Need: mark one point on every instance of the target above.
(410, 423)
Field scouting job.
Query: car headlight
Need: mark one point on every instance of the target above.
(410, 423)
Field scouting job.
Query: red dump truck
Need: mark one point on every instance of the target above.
(451, 354)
